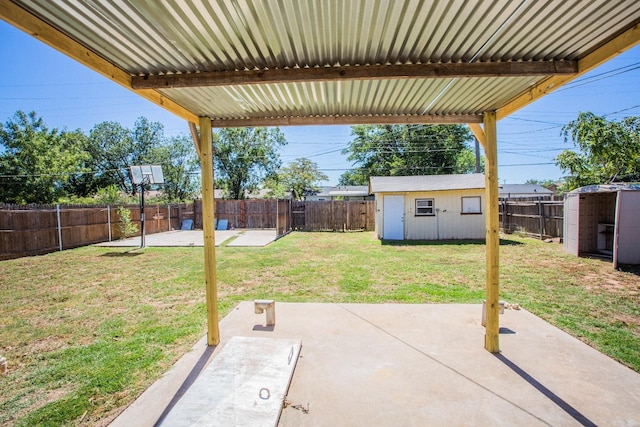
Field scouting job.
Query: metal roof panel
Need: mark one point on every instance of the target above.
(147, 37)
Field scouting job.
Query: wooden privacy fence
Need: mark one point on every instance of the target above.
(288, 215)
(39, 229)
(541, 218)
(333, 215)
(251, 213)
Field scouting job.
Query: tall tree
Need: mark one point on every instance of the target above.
(608, 151)
(179, 166)
(244, 157)
(301, 176)
(396, 150)
(114, 149)
(110, 146)
(549, 184)
(35, 162)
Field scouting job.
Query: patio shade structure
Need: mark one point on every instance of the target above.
(224, 63)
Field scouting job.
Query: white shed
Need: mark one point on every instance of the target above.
(429, 207)
(603, 220)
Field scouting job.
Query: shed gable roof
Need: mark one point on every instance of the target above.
(395, 184)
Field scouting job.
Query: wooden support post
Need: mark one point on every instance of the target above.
(208, 206)
(492, 234)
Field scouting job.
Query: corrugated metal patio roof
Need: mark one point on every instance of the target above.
(333, 61)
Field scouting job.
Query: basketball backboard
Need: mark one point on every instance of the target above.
(147, 174)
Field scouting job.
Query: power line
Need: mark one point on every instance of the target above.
(605, 75)
(41, 175)
(526, 164)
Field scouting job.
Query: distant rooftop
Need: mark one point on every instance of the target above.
(344, 191)
(524, 190)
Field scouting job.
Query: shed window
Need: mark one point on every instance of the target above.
(424, 207)
(471, 205)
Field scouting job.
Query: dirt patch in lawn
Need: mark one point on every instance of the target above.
(614, 282)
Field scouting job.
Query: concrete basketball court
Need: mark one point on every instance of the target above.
(241, 237)
(415, 365)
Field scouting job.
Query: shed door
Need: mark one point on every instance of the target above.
(626, 246)
(570, 233)
(393, 218)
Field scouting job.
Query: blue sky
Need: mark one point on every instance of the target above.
(35, 77)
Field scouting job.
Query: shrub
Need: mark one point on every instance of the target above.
(126, 227)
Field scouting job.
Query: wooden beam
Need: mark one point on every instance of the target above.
(195, 137)
(477, 132)
(359, 72)
(346, 120)
(492, 280)
(616, 46)
(208, 214)
(25, 21)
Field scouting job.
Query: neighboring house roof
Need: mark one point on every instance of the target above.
(389, 184)
(219, 193)
(606, 188)
(344, 191)
(524, 190)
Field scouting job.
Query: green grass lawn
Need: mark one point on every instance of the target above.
(85, 331)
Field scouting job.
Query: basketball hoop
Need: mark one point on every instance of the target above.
(144, 175)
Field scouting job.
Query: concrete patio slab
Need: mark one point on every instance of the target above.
(414, 365)
(196, 238)
(254, 238)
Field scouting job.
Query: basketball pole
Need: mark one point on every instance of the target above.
(142, 214)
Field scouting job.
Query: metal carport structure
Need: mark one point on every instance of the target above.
(239, 63)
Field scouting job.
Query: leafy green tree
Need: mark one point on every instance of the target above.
(114, 149)
(397, 150)
(357, 176)
(301, 176)
(244, 157)
(549, 184)
(608, 151)
(109, 195)
(35, 162)
(111, 146)
(180, 168)
(276, 188)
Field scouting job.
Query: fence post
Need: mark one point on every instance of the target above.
(505, 215)
(347, 208)
(543, 218)
(169, 217)
(59, 226)
(109, 220)
(540, 218)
